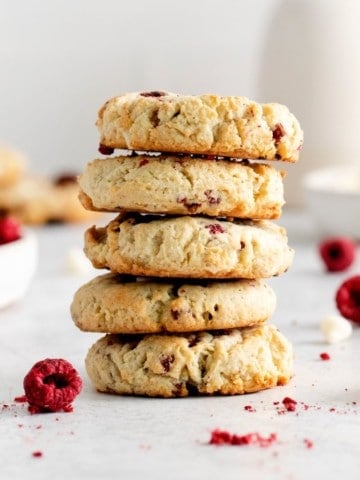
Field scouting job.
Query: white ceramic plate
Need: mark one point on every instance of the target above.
(18, 261)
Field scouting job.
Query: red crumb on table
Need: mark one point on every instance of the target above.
(249, 408)
(324, 356)
(37, 454)
(289, 404)
(20, 399)
(222, 437)
(308, 443)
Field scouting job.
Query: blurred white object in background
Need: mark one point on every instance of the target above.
(77, 262)
(18, 260)
(311, 63)
(62, 60)
(332, 195)
(335, 328)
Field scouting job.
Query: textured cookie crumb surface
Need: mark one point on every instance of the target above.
(228, 362)
(189, 246)
(183, 185)
(114, 304)
(204, 124)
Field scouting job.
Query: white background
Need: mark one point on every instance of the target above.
(60, 60)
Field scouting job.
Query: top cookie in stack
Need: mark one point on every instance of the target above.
(192, 208)
(206, 124)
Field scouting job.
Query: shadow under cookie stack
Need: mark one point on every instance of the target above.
(185, 307)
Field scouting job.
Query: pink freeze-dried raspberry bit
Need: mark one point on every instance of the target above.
(337, 253)
(10, 229)
(51, 385)
(222, 437)
(308, 443)
(215, 228)
(143, 162)
(211, 198)
(166, 362)
(37, 454)
(324, 356)
(348, 298)
(278, 133)
(289, 404)
(249, 408)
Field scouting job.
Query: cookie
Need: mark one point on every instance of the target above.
(228, 362)
(189, 247)
(12, 164)
(183, 185)
(204, 124)
(68, 208)
(115, 304)
(36, 200)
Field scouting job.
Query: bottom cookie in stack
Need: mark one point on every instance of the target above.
(228, 348)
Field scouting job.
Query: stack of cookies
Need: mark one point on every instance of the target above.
(185, 306)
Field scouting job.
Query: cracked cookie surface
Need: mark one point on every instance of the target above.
(183, 185)
(193, 247)
(203, 124)
(228, 362)
(117, 304)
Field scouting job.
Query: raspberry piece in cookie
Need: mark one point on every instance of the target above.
(51, 385)
(338, 253)
(10, 229)
(348, 298)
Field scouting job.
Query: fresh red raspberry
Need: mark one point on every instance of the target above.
(338, 253)
(10, 229)
(51, 385)
(348, 298)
